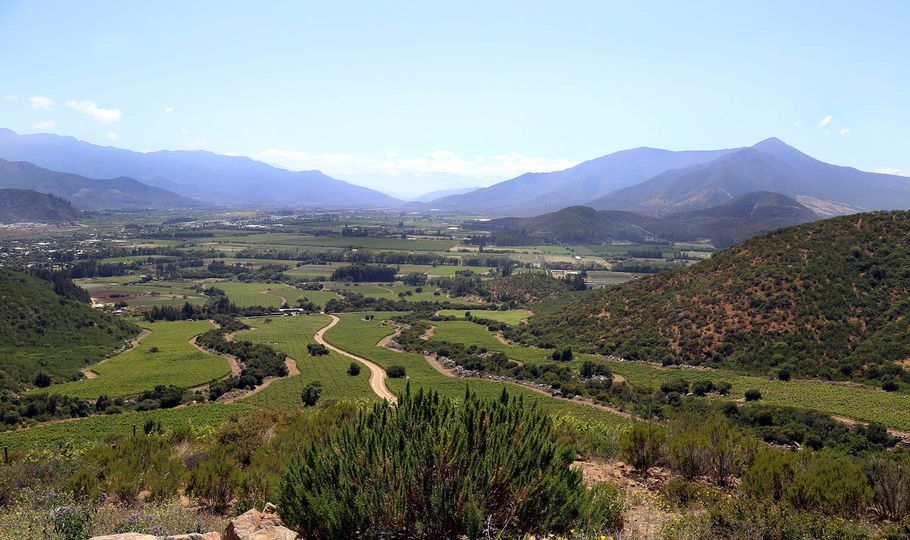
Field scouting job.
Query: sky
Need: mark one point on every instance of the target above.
(409, 97)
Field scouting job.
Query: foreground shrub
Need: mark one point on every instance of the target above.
(214, 482)
(431, 468)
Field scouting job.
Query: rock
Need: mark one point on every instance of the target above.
(256, 525)
(195, 536)
(125, 536)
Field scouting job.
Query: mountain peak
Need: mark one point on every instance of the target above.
(776, 147)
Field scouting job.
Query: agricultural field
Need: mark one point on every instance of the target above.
(359, 336)
(81, 433)
(163, 357)
(469, 333)
(291, 335)
(300, 240)
(270, 294)
(314, 270)
(389, 291)
(511, 317)
(603, 278)
(452, 270)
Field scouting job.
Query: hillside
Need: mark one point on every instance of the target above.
(743, 217)
(534, 193)
(733, 221)
(46, 325)
(825, 299)
(770, 165)
(116, 193)
(27, 205)
(197, 174)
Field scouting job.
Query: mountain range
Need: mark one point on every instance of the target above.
(202, 175)
(735, 220)
(661, 182)
(89, 193)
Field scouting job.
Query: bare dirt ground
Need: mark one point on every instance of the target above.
(91, 374)
(377, 374)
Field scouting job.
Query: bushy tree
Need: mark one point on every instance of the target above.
(642, 446)
(354, 369)
(434, 468)
(311, 394)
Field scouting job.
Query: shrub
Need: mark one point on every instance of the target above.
(43, 379)
(680, 386)
(890, 386)
(680, 493)
(395, 372)
(890, 480)
(346, 482)
(642, 446)
(770, 474)
(752, 395)
(311, 393)
(831, 484)
(317, 349)
(701, 388)
(354, 369)
(602, 510)
(214, 481)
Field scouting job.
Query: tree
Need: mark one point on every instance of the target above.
(43, 379)
(311, 393)
(752, 395)
(642, 446)
(317, 349)
(445, 451)
(354, 369)
(395, 372)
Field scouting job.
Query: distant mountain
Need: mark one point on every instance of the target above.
(743, 217)
(116, 193)
(27, 205)
(433, 195)
(770, 165)
(535, 193)
(198, 174)
(734, 221)
(576, 225)
(826, 299)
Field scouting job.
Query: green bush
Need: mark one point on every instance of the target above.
(214, 481)
(433, 468)
(311, 393)
(642, 446)
(395, 372)
(752, 395)
(354, 369)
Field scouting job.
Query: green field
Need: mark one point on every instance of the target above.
(512, 316)
(314, 270)
(469, 333)
(291, 335)
(291, 240)
(176, 362)
(390, 292)
(360, 337)
(84, 432)
(451, 270)
(270, 294)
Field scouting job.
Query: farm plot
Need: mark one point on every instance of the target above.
(84, 432)
(511, 317)
(469, 333)
(163, 357)
(291, 335)
(391, 291)
(452, 270)
(271, 294)
(359, 336)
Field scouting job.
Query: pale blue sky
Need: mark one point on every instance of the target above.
(465, 93)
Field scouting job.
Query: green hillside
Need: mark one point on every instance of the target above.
(45, 325)
(826, 299)
(27, 205)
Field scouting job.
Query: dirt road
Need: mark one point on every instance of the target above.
(377, 374)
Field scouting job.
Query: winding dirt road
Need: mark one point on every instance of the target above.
(377, 374)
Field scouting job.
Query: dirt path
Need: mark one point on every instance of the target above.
(902, 435)
(92, 374)
(377, 374)
(384, 342)
(284, 301)
(231, 360)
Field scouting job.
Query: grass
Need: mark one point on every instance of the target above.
(512, 316)
(176, 362)
(293, 240)
(313, 270)
(451, 270)
(469, 333)
(360, 337)
(84, 432)
(291, 335)
(390, 292)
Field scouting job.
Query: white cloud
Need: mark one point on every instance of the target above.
(112, 136)
(892, 170)
(825, 121)
(105, 116)
(168, 109)
(41, 102)
(845, 131)
(11, 98)
(46, 124)
(484, 169)
(798, 123)
(392, 153)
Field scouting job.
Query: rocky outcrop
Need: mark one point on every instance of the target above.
(256, 525)
(251, 525)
